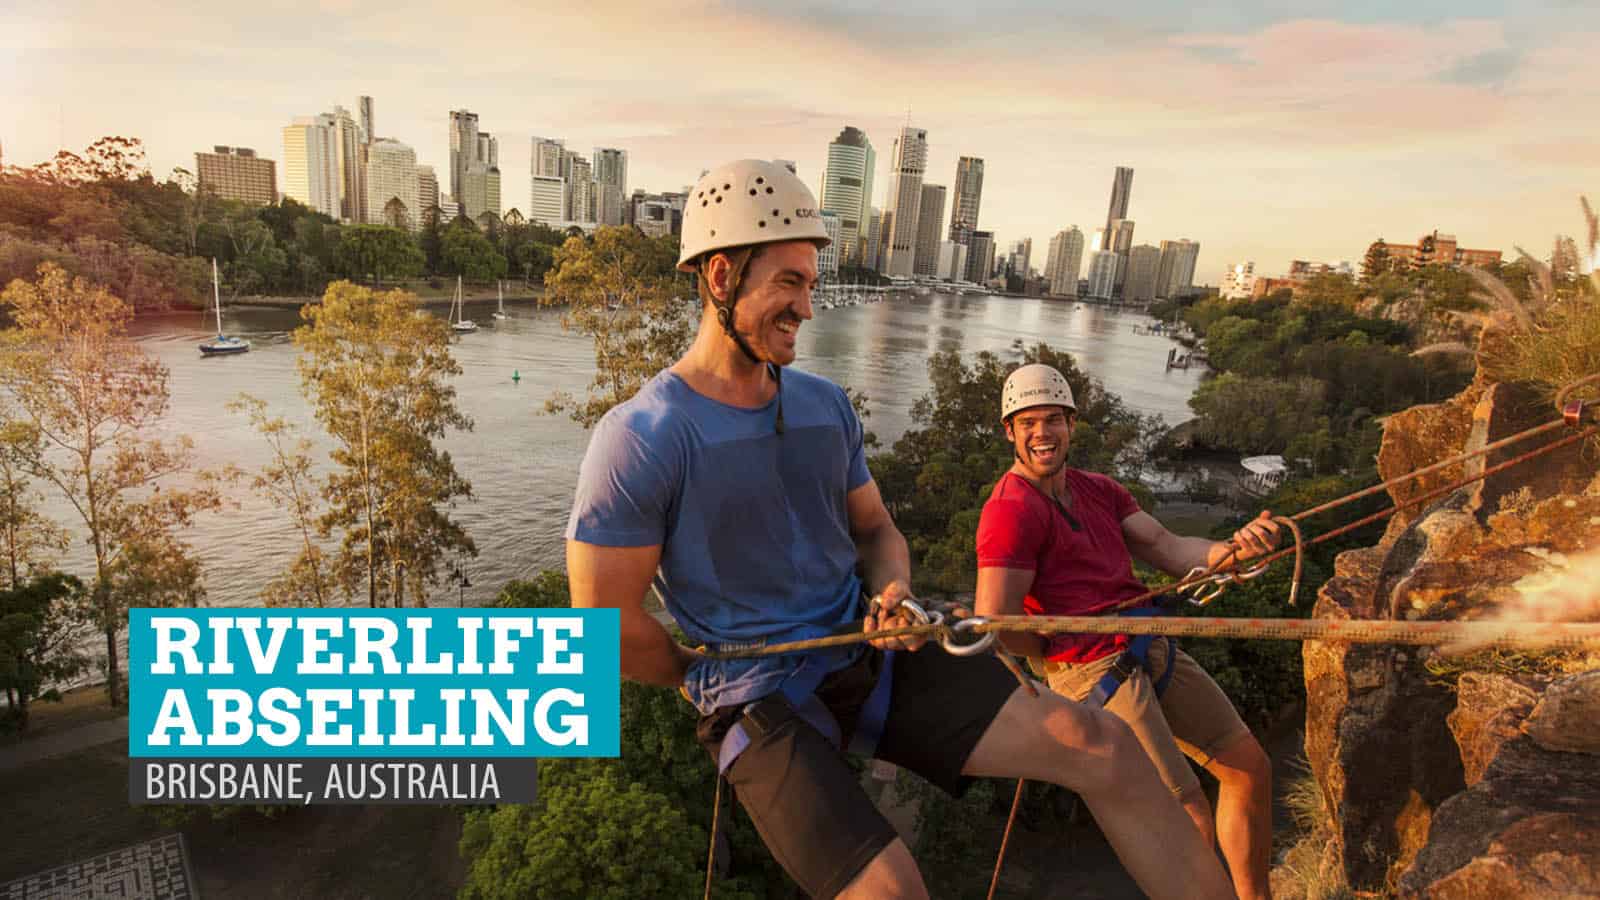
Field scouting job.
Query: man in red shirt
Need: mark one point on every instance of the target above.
(1058, 541)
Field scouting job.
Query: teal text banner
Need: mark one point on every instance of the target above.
(385, 684)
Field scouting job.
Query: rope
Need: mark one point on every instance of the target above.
(1005, 838)
(711, 854)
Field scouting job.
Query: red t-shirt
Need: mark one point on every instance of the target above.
(1080, 572)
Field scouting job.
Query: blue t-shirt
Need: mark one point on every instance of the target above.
(753, 527)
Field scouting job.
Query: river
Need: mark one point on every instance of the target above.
(523, 463)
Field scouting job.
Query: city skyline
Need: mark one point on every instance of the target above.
(1461, 117)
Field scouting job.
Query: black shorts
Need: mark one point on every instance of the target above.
(806, 800)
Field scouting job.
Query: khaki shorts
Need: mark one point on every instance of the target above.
(1193, 717)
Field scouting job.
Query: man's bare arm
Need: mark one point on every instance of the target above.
(885, 563)
(617, 578)
(1149, 541)
(1000, 593)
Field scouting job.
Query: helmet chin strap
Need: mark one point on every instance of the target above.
(725, 319)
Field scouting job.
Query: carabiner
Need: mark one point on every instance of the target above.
(982, 644)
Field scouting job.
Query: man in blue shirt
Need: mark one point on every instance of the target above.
(742, 492)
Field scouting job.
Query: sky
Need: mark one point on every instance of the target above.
(1266, 131)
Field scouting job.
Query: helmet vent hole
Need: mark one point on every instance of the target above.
(762, 223)
(704, 202)
(719, 199)
(761, 181)
(769, 190)
(752, 192)
(727, 187)
(775, 213)
(785, 221)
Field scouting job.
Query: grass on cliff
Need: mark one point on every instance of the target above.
(1446, 669)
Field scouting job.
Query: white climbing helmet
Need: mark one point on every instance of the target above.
(749, 201)
(1035, 384)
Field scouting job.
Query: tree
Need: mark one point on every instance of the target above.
(464, 251)
(40, 633)
(1256, 415)
(377, 251)
(29, 539)
(431, 238)
(1376, 262)
(623, 290)
(290, 484)
(377, 371)
(94, 397)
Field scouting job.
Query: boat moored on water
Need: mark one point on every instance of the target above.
(222, 344)
(458, 322)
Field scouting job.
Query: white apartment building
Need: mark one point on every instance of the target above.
(847, 190)
(1239, 281)
(391, 177)
(310, 163)
(909, 162)
(1144, 262)
(828, 257)
(1063, 262)
(1103, 266)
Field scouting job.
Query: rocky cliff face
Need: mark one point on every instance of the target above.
(1464, 775)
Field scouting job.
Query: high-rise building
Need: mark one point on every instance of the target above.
(427, 191)
(547, 165)
(930, 222)
(980, 256)
(847, 190)
(1020, 259)
(968, 194)
(828, 257)
(391, 180)
(310, 163)
(1144, 263)
(905, 198)
(952, 261)
(236, 173)
(1121, 192)
(610, 184)
(348, 142)
(872, 256)
(1440, 250)
(1119, 240)
(580, 188)
(474, 166)
(1176, 272)
(1063, 262)
(368, 125)
(1103, 265)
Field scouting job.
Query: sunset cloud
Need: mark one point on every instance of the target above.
(1262, 135)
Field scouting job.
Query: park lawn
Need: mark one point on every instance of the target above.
(70, 807)
(79, 706)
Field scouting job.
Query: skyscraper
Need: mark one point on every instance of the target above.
(872, 256)
(427, 191)
(580, 188)
(348, 143)
(310, 163)
(1144, 262)
(1021, 257)
(391, 180)
(1103, 265)
(930, 219)
(368, 126)
(905, 198)
(1119, 240)
(1176, 271)
(828, 257)
(474, 166)
(236, 173)
(1121, 191)
(980, 256)
(968, 194)
(548, 200)
(1064, 261)
(847, 190)
(610, 184)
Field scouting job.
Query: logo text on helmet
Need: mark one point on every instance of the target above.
(804, 213)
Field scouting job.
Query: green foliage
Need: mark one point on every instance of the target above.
(41, 632)
(378, 252)
(1257, 415)
(465, 251)
(1376, 263)
(623, 290)
(379, 378)
(591, 835)
(546, 590)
